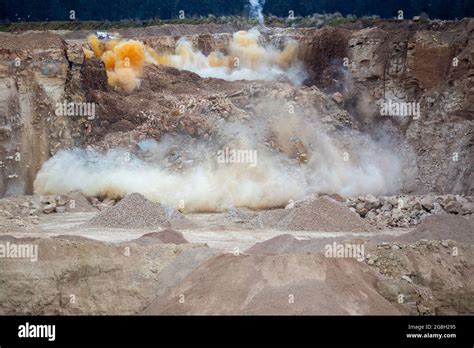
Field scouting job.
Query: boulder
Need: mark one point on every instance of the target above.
(372, 202)
(453, 207)
(49, 208)
(427, 203)
(361, 209)
(438, 209)
(338, 98)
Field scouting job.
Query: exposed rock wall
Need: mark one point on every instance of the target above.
(34, 72)
(428, 64)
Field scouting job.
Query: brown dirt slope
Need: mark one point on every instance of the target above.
(440, 227)
(281, 284)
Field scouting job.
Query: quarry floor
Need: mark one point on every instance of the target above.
(224, 268)
(213, 230)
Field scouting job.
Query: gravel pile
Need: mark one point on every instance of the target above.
(135, 211)
(324, 215)
(320, 214)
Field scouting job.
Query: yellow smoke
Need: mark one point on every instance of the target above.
(246, 59)
(96, 45)
(123, 61)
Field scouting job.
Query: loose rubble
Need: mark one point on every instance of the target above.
(405, 211)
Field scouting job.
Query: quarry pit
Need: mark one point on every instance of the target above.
(316, 171)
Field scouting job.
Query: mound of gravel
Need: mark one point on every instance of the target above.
(321, 214)
(164, 237)
(137, 212)
(440, 227)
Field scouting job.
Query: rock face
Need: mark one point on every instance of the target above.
(429, 64)
(33, 74)
(429, 67)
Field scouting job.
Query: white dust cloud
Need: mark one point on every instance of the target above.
(247, 59)
(347, 164)
(206, 187)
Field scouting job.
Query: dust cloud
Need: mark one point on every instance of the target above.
(350, 163)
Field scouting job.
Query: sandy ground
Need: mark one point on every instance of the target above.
(217, 233)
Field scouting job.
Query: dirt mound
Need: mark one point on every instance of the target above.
(127, 283)
(280, 284)
(189, 258)
(286, 244)
(274, 245)
(135, 211)
(440, 227)
(320, 214)
(166, 237)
